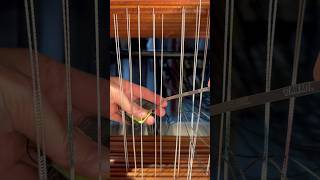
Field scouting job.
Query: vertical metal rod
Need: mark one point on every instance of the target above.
(293, 82)
(96, 13)
(271, 29)
(229, 85)
(36, 89)
(66, 30)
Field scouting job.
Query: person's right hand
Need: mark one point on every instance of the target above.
(134, 109)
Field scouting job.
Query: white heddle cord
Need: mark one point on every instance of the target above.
(66, 30)
(200, 101)
(36, 90)
(229, 84)
(131, 95)
(155, 89)
(98, 85)
(293, 82)
(180, 89)
(208, 165)
(161, 77)
(117, 42)
(271, 29)
(226, 27)
(195, 62)
(140, 91)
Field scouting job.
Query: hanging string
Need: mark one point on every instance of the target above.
(66, 30)
(140, 91)
(223, 86)
(36, 89)
(293, 82)
(155, 89)
(200, 101)
(161, 78)
(271, 29)
(180, 92)
(208, 165)
(117, 42)
(195, 62)
(131, 94)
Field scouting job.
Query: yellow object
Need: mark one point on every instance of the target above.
(142, 120)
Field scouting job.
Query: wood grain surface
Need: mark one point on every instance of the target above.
(171, 11)
(118, 170)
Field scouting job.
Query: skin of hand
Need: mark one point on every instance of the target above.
(115, 100)
(17, 116)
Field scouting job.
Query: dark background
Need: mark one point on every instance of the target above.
(248, 77)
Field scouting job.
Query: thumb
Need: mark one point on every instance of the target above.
(134, 109)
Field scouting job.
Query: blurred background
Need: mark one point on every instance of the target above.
(248, 77)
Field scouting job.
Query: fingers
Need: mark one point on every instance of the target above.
(145, 93)
(56, 140)
(132, 108)
(316, 70)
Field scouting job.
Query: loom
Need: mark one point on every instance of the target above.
(141, 153)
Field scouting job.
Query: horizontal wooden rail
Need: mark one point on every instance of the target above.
(171, 11)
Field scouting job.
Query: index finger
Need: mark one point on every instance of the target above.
(146, 93)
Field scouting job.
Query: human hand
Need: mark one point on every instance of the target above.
(17, 117)
(134, 109)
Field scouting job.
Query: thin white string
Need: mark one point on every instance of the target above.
(66, 25)
(195, 60)
(161, 77)
(131, 94)
(208, 166)
(36, 88)
(271, 29)
(228, 114)
(180, 90)
(155, 90)
(293, 82)
(117, 42)
(200, 101)
(140, 91)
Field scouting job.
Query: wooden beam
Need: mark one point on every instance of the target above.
(171, 9)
